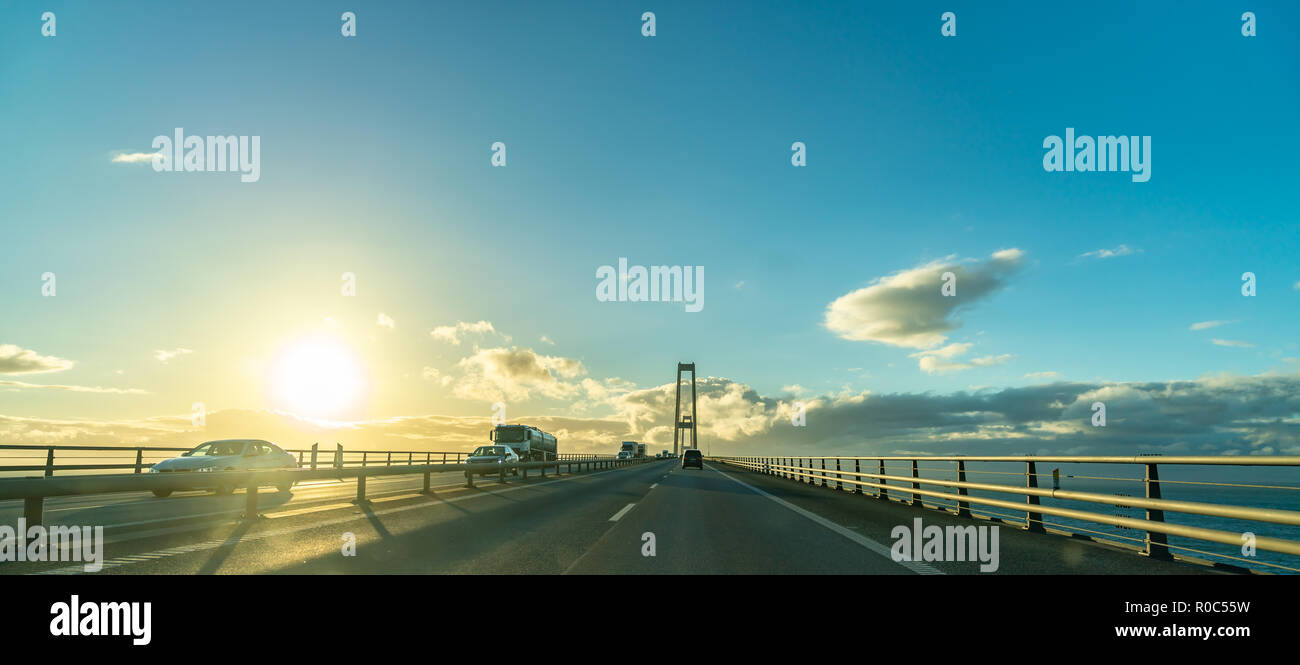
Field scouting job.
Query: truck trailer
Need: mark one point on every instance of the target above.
(530, 443)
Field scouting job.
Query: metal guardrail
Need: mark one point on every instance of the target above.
(33, 491)
(147, 456)
(815, 470)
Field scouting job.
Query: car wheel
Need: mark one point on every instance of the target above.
(285, 487)
(162, 494)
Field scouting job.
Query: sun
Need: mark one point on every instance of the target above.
(318, 377)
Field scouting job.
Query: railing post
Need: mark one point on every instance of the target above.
(426, 480)
(444, 458)
(361, 488)
(250, 500)
(469, 479)
(883, 493)
(916, 474)
(1033, 520)
(389, 460)
(857, 468)
(364, 457)
(410, 457)
(139, 460)
(338, 456)
(33, 510)
(824, 472)
(315, 449)
(1157, 543)
(963, 507)
(49, 463)
(839, 479)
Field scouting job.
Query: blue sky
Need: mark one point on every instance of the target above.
(670, 150)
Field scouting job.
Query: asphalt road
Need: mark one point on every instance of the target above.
(654, 518)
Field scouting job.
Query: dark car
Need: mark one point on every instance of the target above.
(692, 457)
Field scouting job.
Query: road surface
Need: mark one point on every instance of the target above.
(718, 520)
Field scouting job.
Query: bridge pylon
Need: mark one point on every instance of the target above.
(684, 424)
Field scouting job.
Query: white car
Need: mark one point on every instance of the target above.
(493, 455)
(227, 455)
(623, 454)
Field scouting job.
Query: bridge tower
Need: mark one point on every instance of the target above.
(683, 424)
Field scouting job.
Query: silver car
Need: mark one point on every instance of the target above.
(226, 455)
(494, 455)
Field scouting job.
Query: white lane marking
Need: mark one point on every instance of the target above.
(914, 566)
(654, 485)
(253, 537)
(617, 516)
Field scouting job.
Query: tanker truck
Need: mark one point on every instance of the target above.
(530, 443)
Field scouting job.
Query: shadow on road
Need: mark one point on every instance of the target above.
(219, 555)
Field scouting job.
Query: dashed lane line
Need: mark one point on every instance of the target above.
(263, 535)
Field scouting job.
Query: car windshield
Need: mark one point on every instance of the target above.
(692, 453)
(489, 450)
(217, 449)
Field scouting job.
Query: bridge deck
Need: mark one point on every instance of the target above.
(718, 520)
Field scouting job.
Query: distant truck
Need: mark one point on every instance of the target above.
(640, 450)
(530, 443)
(665, 454)
(629, 447)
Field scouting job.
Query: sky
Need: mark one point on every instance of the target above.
(476, 284)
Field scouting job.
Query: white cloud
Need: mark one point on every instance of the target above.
(19, 385)
(164, 355)
(517, 374)
(1122, 250)
(949, 351)
(454, 333)
(547, 340)
(1233, 343)
(432, 374)
(133, 158)
(907, 309)
(386, 321)
(17, 360)
(1042, 375)
(1206, 325)
(936, 364)
(935, 361)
